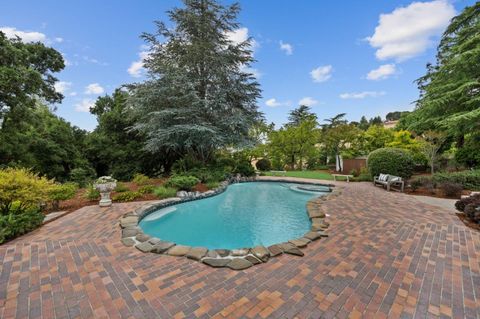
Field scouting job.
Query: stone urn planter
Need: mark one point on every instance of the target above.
(105, 185)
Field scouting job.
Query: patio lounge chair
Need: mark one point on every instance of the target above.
(391, 182)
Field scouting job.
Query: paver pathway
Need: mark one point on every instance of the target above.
(388, 255)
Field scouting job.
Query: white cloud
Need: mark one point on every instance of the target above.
(59, 40)
(274, 103)
(241, 35)
(361, 95)
(73, 94)
(287, 47)
(84, 105)
(308, 101)
(26, 36)
(408, 31)
(322, 73)
(382, 72)
(94, 88)
(136, 69)
(62, 87)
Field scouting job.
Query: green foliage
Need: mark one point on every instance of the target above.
(141, 179)
(468, 179)
(199, 96)
(263, 164)
(244, 168)
(393, 161)
(165, 192)
(451, 189)
(416, 183)
(449, 93)
(91, 193)
(376, 136)
(126, 196)
(181, 182)
(301, 114)
(212, 185)
(61, 192)
(121, 187)
(81, 176)
(23, 189)
(18, 222)
(469, 154)
(146, 189)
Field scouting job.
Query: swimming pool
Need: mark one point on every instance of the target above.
(245, 215)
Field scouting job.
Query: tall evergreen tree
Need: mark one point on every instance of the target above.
(301, 114)
(198, 96)
(450, 91)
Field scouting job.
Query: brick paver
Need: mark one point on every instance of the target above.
(388, 256)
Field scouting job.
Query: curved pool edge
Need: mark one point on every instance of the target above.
(236, 259)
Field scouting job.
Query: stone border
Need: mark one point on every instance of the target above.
(236, 259)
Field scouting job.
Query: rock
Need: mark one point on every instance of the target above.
(178, 250)
(315, 213)
(182, 194)
(261, 253)
(322, 234)
(129, 232)
(162, 246)
(239, 264)
(254, 260)
(196, 253)
(128, 221)
(239, 252)
(154, 241)
(129, 242)
(212, 254)
(215, 262)
(144, 247)
(275, 250)
(312, 235)
(291, 249)
(300, 242)
(141, 237)
(222, 252)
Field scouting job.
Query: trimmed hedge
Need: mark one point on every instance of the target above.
(468, 179)
(263, 165)
(393, 161)
(19, 222)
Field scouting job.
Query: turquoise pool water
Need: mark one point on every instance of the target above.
(245, 215)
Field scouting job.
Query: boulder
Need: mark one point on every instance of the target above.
(162, 247)
(144, 247)
(212, 254)
(222, 252)
(129, 232)
(316, 213)
(196, 253)
(275, 250)
(129, 242)
(312, 235)
(154, 241)
(254, 260)
(291, 249)
(239, 264)
(239, 252)
(141, 237)
(128, 221)
(178, 250)
(300, 242)
(215, 262)
(261, 253)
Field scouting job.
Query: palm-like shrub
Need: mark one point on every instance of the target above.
(393, 161)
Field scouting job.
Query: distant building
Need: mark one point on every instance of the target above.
(390, 124)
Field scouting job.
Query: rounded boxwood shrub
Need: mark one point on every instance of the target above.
(263, 165)
(181, 182)
(393, 161)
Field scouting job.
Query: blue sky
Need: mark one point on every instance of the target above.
(354, 57)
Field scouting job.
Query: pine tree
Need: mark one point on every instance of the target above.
(198, 96)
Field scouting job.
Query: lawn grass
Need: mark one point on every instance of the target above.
(306, 174)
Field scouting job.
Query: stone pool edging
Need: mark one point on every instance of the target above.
(236, 259)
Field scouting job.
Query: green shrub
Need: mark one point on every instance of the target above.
(468, 156)
(364, 177)
(146, 189)
(91, 193)
(468, 179)
(207, 174)
(263, 165)
(141, 179)
(81, 176)
(185, 183)
(62, 192)
(244, 168)
(121, 187)
(393, 161)
(451, 189)
(415, 184)
(18, 222)
(212, 185)
(126, 196)
(21, 186)
(164, 192)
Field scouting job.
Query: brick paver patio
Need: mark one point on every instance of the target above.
(388, 255)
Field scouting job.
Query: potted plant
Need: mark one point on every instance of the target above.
(105, 185)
